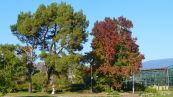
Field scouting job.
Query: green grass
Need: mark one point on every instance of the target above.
(64, 94)
(158, 94)
(24, 93)
(164, 96)
(73, 94)
(43, 94)
(28, 94)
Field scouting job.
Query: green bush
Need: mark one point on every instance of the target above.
(39, 81)
(127, 86)
(3, 90)
(114, 93)
(61, 82)
(59, 91)
(77, 87)
(98, 88)
(22, 86)
(139, 87)
(150, 90)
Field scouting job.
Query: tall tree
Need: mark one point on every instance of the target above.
(116, 52)
(57, 30)
(62, 33)
(26, 30)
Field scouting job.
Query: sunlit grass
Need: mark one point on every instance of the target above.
(28, 94)
(64, 94)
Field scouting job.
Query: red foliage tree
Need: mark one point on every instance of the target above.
(116, 49)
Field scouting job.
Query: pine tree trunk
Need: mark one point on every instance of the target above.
(49, 72)
(30, 83)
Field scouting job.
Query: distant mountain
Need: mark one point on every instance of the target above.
(157, 63)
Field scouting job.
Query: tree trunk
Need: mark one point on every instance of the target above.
(30, 70)
(30, 83)
(49, 72)
(51, 69)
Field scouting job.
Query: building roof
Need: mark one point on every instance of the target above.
(156, 64)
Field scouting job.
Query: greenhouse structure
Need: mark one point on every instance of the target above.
(157, 74)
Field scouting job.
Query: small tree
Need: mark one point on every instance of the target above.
(12, 67)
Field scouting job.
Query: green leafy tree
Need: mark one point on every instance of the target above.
(63, 32)
(26, 30)
(12, 67)
(57, 30)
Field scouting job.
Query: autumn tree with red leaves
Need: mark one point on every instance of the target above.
(116, 51)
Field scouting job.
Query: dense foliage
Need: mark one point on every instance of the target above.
(12, 67)
(58, 33)
(115, 51)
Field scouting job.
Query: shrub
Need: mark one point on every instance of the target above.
(39, 81)
(98, 88)
(150, 90)
(127, 86)
(114, 93)
(77, 87)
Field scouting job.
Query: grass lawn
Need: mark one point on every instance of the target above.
(164, 96)
(28, 94)
(80, 94)
(66, 94)
(159, 94)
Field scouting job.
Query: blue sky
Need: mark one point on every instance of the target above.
(152, 19)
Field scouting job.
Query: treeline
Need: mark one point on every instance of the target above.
(59, 33)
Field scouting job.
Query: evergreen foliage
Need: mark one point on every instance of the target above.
(12, 67)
